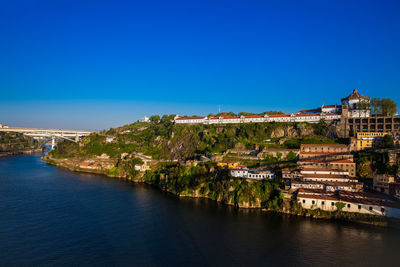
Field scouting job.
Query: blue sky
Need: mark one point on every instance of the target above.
(100, 64)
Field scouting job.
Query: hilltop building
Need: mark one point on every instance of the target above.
(358, 105)
(351, 117)
(144, 119)
(353, 104)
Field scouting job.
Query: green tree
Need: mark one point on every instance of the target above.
(154, 118)
(278, 155)
(137, 161)
(363, 106)
(384, 106)
(272, 112)
(389, 107)
(291, 156)
(376, 106)
(320, 127)
(340, 205)
(388, 141)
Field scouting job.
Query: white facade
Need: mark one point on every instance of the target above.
(328, 186)
(145, 119)
(311, 118)
(328, 203)
(239, 172)
(254, 175)
(324, 171)
(327, 178)
(260, 175)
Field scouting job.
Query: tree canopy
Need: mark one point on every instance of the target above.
(384, 106)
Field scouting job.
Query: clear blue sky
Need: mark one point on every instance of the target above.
(100, 64)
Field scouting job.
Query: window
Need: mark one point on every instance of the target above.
(333, 203)
(304, 201)
(359, 207)
(370, 208)
(348, 205)
(323, 202)
(313, 202)
(383, 210)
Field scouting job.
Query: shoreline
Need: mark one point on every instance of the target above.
(310, 214)
(4, 154)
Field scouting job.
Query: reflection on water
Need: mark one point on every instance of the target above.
(53, 216)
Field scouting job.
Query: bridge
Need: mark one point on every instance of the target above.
(44, 135)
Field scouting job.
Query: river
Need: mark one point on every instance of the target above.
(52, 216)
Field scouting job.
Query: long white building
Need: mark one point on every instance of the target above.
(357, 105)
(225, 119)
(352, 202)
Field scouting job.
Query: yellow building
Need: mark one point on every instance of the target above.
(369, 139)
(231, 165)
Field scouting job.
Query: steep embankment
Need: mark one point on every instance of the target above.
(16, 144)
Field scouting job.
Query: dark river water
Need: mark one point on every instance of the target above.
(51, 216)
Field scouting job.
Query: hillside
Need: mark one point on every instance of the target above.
(15, 142)
(165, 141)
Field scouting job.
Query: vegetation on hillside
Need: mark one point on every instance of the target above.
(161, 139)
(384, 106)
(12, 142)
(207, 180)
(373, 162)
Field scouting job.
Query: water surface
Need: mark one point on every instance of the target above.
(51, 216)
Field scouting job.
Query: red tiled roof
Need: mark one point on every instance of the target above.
(239, 169)
(254, 116)
(325, 197)
(335, 145)
(322, 169)
(325, 153)
(355, 95)
(190, 118)
(279, 149)
(338, 176)
(224, 117)
(308, 114)
(326, 161)
(315, 191)
(278, 115)
(328, 183)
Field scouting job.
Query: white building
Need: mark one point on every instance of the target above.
(323, 171)
(351, 203)
(252, 174)
(328, 186)
(110, 139)
(227, 119)
(260, 174)
(239, 172)
(144, 119)
(355, 101)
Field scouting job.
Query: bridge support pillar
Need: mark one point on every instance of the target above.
(76, 137)
(53, 142)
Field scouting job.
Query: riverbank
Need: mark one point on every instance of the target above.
(262, 195)
(23, 152)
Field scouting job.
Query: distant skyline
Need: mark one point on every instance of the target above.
(99, 64)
